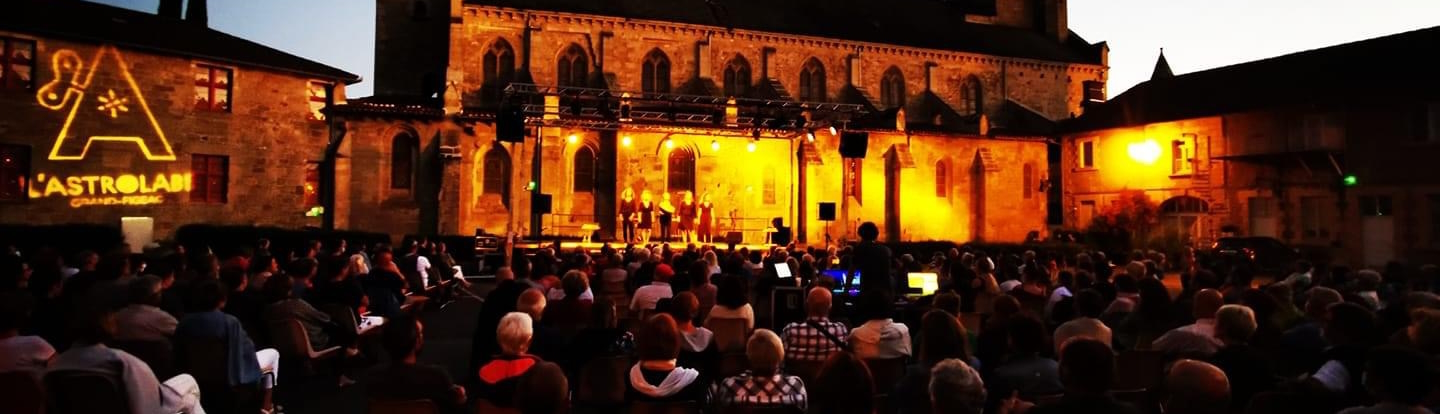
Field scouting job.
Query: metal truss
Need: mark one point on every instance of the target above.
(521, 90)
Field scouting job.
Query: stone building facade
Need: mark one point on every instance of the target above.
(195, 126)
(1288, 147)
(956, 100)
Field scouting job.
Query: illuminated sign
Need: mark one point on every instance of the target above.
(109, 190)
(117, 111)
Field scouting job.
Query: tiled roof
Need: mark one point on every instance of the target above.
(102, 24)
(1377, 70)
(928, 24)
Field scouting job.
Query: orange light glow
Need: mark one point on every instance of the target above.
(1144, 152)
(573, 139)
(714, 145)
(750, 146)
(669, 143)
(625, 141)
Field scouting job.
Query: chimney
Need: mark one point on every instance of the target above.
(171, 8)
(196, 13)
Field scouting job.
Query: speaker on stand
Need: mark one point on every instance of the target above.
(827, 215)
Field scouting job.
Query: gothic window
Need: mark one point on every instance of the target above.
(403, 151)
(655, 73)
(812, 81)
(584, 165)
(681, 173)
(573, 67)
(496, 179)
(972, 98)
(499, 69)
(737, 77)
(942, 179)
(892, 88)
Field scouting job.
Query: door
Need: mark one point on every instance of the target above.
(1377, 230)
(1262, 216)
(1085, 216)
(892, 197)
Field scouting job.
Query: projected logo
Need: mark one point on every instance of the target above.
(111, 111)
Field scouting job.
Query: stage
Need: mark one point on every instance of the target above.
(594, 247)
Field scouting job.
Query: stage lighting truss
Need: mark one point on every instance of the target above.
(602, 109)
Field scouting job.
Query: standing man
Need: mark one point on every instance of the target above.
(872, 261)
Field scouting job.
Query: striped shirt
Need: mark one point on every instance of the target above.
(750, 390)
(805, 343)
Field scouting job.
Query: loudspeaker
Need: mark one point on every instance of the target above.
(827, 211)
(853, 144)
(734, 237)
(510, 124)
(540, 204)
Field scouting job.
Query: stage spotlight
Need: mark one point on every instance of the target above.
(714, 145)
(751, 146)
(810, 136)
(625, 141)
(833, 132)
(573, 138)
(669, 143)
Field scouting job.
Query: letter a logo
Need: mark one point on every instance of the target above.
(115, 111)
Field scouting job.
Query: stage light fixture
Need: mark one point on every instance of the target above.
(625, 141)
(810, 136)
(751, 146)
(669, 143)
(833, 132)
(573, 139)
(714, 145)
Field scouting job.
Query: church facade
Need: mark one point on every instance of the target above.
(741, 104)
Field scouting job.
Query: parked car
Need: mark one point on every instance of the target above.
(1264, 254)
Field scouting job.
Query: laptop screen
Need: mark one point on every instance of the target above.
(922, 284)
(839, 277)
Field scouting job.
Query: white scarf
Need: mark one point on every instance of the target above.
(677, 380)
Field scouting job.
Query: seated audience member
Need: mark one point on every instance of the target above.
(1153, 316)
(547, 342)
(1025, 370)
(543, 390)
(763, 384)
(1399, 379)
(499, 377)
(955, 388)
(843, 386)
(941, 338)
(572, 310)
(879, 337)
(1089, 304)
(1197, 339)
(732, 302)
(1087, 368)
(657, 376)
(818, 336)
(696, 343)
(1247, 368)
(1304, 343)
(20, 352)
(245, 304)
(285, 307)
(499, 302)
(302, 271)
(1350, 329)
(143, 392)
(993, 341)
(563, 291)
(142, 319)
(1423, 334)
(646, 296)
(340, 287)
(402, 378)
(385, 286)
(1195, 387)
(244, 364)
(600, 339)
(700, 273)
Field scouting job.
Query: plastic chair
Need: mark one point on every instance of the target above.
(293, 342)
(22, 392)
(403, 407)
(669, 407)
(602, 382)
(102, 394)
(730, 334)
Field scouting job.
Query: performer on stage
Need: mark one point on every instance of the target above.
(687, 216)
(647, 214)
(707, 218)
(628, 209)
(667, 211)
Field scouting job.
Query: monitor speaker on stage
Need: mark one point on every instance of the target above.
(734, 237)
(827, 211)
(853, 144)
(540, 204)
(510, 124)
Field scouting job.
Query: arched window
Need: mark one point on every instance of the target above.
(655, 73)
(497, 173)
(892, 88)
(499, 69)
(737, 76)
(403, 150)
(584, 165)
(972, 98)
(573, 67)
(942, 179)
(812, 81)
(681, 172)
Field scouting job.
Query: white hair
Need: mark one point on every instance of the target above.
(514, 333)
(955, 387)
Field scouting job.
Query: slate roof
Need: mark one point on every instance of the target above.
(1390, 68)
(928, 24)
(102, 24)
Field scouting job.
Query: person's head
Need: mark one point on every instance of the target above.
(948, 302)
(1350, 324)
(1424, 330)
(1089, 303)
(402, 337)
(843, 386)
(574, 284)
(1207, 302)
(1027, 334)
(1154, 298)
(514, 333)
(1234, 324)
(94, 324)
(602, 313)
(1087, 367)
(684, 307)
(234, 279)
(875, 305)
(731, 292)
(543, 389)
(658, 339)
(955, 388)
(1318, 301)
(1196, 387)
(765, 352)
(145, 290)
(210, 295)
(278, 288)
(302, 268)
(504, 273)
(1136, 270)
(1399, 375)
(941, 338)
(114, 266)
(817, 303)
(262, 263)
(87, 260)
(532, 302)
(868, 231)
(1006, 305)
(663, 273)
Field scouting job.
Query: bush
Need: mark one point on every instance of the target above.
(1126, 223)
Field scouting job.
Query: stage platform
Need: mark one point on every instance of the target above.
(594, 247)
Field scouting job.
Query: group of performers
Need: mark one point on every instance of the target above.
(638, 216)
